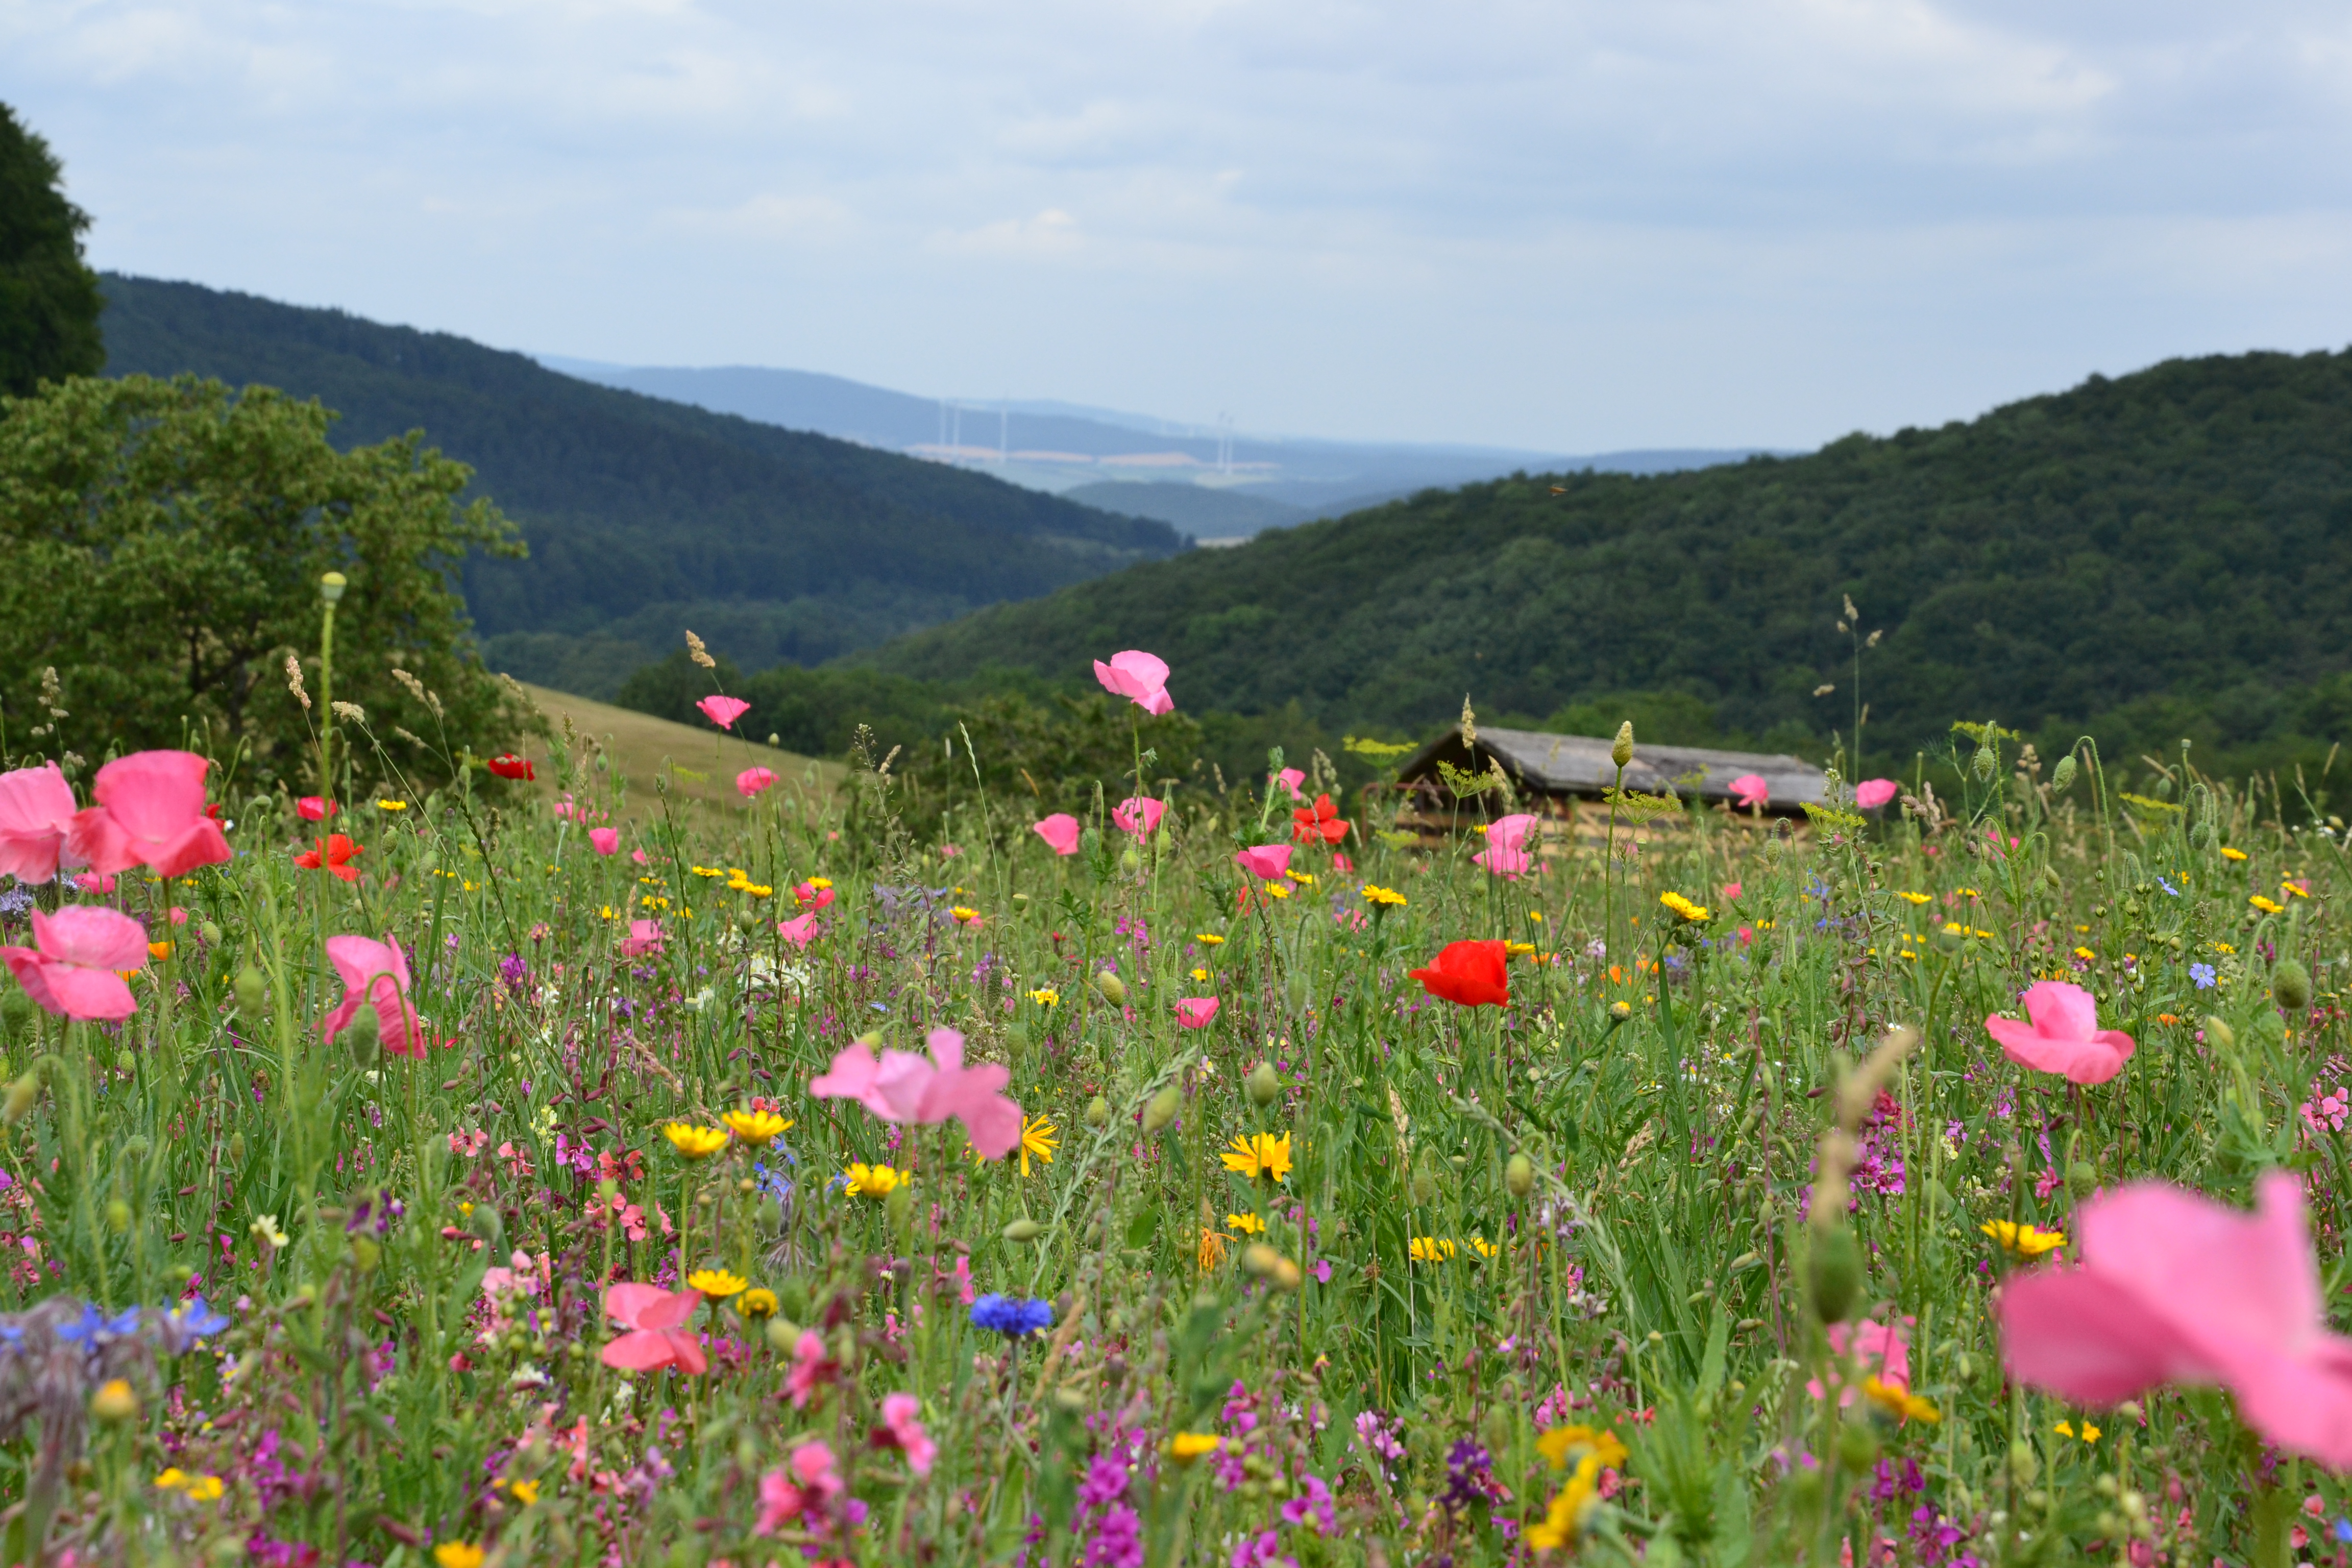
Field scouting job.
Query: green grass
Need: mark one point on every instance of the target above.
(1637, 1271)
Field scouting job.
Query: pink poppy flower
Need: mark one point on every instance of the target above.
(902, 1087)
(1289, 779)
(375, 973)
(37, 810)
(605, 840)
(92, 882)
(1196, 1012)
(71, 969)
(640, 857)
(1871, 793)
(657, 1337)
(1341, 863)
(2175, 1288)
(1060, 831)
(752, 780)
(1266, 862)
(723, 711)
(1506, 853)
(2063, 1036)
(1139, 677)
(1137, 815)
(1751, 792)
(645, 937)
(150, 812)
(800, 931)
(313, 808)
(903, 1427)
(809, 896)
(1882, 1351)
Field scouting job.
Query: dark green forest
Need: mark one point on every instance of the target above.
(2160, 556)
(644, 517)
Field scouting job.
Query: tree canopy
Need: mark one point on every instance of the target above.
(160, 548)
(49, 301)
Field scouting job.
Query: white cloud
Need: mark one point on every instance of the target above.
(1567, 223)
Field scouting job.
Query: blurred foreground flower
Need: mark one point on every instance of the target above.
(656, 1321)
(73, 968)
(150, 812)
(904, 1088)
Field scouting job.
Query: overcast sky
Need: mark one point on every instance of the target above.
(1558, 224)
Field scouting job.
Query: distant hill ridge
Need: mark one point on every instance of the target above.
(645, 516)
(2162, 555)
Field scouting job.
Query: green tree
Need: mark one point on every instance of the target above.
(161, 547)
(49, 301)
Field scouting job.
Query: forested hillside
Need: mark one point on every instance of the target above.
(2162, 555)
(643, 516)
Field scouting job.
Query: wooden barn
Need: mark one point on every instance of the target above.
(1563, 779)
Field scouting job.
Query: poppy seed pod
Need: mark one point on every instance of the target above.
(2291, 983)
(1520, 1176)
(2219, 1034)
(1162, 1109)
(2064, 774)
(210, 932)
(15, 1016)
(1834, 1271)
(1265, 1087)
(1113, 989)
(1983, 763)
(1098, 1113)
(251, 992)
(363, 1036)
(1621, 750)
(1023, 1230)
(486, 1222)
(1425, 1187)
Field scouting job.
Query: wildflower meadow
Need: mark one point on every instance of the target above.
(490, 1173)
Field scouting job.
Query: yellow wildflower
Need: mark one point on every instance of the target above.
(872, 1181)
(1570, 1514)
(695, 1142)
(756, 1127)
(1694, 913)
(1212, 1250)
(1201, 975)
(1247, 1223)
(2084, 952)
(2265, 905)
(2229, 854)
(716, 1283)
(1260, 1156)
(1432, 1249)
(1208, 939)
(1038, 1138)
(964, 914)
(1514, 949)
(1376, 894)
(264, 1230)
(525, 1492)
(1912, 899)
(1275, 890)
(2089, 1432)
(1301, 878)
(458, 1554)
(1560, 1444)
(391, 806)
(1187, 1446)
(758, 1303)
(2023, 1240)
(1484, 1248)
(1901, 1403)
(1045, 996)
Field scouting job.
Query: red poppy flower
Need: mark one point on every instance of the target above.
(333, 855)
(1471, 973)
(1320, 820)
(507, 765)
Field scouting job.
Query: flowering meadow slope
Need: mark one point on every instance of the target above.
(1207, 1178)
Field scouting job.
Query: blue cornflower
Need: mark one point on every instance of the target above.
(2167, 887)
(1011, 1316)
(94, 1327)
(2203, 975)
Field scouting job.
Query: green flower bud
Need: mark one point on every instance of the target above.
(784, 1334)
(118, 1216)
(898, 1207)
(1113, 989)
(1023, 1230)
(15, 1016)
(1857, 1446)
(1834, 1270)
(21, 1096)
(486, 1222)
(2024, 1462)
(365, 1254)
(362, 1038)
(210, 932)
(1265, 1087)
(252, 992)
(2291, 983)
(2062, 774)
(1619, 1013)
(2219, 1034)
(1098, 1113)
(1162, 1109)
(1425, 1187)
(1621, 750)
(1520, 1176)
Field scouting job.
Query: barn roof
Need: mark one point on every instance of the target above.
(1579, 765)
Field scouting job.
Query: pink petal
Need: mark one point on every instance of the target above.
(1266, 862)
(93, 936)
(2226, 1274)
(155, 795)
(605, 840)
(2062, 1010)
(1511, 832)
(723, 711)
(800, 931)
(851, 1077)
(687, 1351)
(626, 1303)
(752, 780)
(2090, 1338)
(993, 1125)
(30, 856)
(1871, 793)
(2302, 1403)
(96, 840)
(674, 1307)
(1197, 1012)
(1060, 831)
(639, 1351)
(899, 1409)
(899, 1086)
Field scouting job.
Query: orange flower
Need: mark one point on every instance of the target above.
(333, 855)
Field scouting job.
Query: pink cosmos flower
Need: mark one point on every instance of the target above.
(902, 1087)
(1196, 1012)
(655, 1319)
(903, 1428)
(2063, 1036)
(1266, 862)
(36, 809)
(605, 840)
(1289, 779)
(1883, 1349)
(1139, 677)
(1506, 854)
(752, 780)
(375, 975)
(2175, 1288)
(150, 812)
(1137, 815)
(1751, 792)
(1060, 831)
(72, 967)
(800, 931)
(723, 711)
(645, 937)
(1871, 793)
